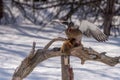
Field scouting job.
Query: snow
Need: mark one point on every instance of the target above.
(16, 42)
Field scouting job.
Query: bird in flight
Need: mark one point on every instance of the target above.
(83, 27)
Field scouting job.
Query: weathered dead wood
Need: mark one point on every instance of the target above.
(32, 60)
(52, 41)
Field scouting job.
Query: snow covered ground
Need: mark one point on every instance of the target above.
(16, 42)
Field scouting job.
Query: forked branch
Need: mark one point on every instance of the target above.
(34, 58)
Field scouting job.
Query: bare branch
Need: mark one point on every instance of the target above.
(53, 40)
(30, 62)
(58, 4)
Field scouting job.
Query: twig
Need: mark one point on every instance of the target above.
(53, 40)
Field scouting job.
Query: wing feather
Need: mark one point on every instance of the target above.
(89, 29)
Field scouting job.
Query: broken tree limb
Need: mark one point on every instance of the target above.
(30, 62)
(53, 40)
(89, 54)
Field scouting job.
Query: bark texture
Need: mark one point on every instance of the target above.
(36, 57)
(108, 16)
(1, 9)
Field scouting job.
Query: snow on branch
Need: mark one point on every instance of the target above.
(36, 57)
